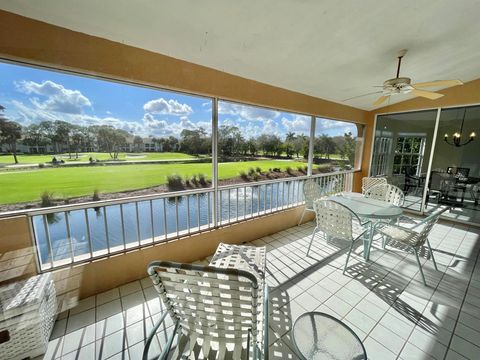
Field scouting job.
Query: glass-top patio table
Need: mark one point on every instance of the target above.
(368, 209)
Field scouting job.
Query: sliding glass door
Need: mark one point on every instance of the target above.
(401, 152)
(455, 176)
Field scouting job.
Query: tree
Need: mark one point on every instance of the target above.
(10, 133)
(78, 139)
(137, 143)
(34, 136)
(348, 149)
(230, 141)
(61, 135)
(110, 140)
(289, 143)
(300, 146)
(194, 142)
(324, 145)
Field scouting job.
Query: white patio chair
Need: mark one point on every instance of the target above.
(311, 192)
(369, 182)
(216, 312)
(388, 193)
(337, 221)
(411, 238)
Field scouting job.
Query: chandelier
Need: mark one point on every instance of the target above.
(457, 136)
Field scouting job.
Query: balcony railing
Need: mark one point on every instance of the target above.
(76, 233)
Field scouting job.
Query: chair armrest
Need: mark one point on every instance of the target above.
(165, 351)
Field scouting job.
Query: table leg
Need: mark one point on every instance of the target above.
(367, 242)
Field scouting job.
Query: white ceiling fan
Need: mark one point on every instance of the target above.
(403, 85)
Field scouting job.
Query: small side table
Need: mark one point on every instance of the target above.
(318, 335)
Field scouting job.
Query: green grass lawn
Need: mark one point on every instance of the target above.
(27, 185)
(36, 159)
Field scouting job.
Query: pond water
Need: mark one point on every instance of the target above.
(81, 232)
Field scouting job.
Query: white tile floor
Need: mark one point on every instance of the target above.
(383, 301)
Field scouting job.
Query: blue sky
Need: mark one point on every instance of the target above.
(32, 95)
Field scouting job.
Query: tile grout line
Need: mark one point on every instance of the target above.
(461, 306)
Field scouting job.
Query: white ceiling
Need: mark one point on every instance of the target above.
(330, 49)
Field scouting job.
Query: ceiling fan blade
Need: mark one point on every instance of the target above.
(381, 100)
(355, 97)
(426, 94)
(438, 83)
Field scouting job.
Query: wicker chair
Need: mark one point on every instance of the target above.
(369, 182)
(311, 192)
(388, 193)
(409, 237)
(216, 312)
(337, 221)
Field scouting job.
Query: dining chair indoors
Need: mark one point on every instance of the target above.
(410, 237)
(369, 182)
(311, 192)
(386, 192)
(337, 221)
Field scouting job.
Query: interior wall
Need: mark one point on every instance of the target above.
(467, 94)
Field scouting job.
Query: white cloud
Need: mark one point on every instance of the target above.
(246, 112)
(167, 107)
(299, 124)
(58, 98)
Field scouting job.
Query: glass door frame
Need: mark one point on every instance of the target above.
(432, 150)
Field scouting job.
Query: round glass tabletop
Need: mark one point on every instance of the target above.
(320, 336)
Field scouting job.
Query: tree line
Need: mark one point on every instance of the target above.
(66, 137)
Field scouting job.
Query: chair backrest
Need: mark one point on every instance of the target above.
(331, 187)
(334, 219)
(368, 182)
(426, 226)
(311, 192)
(209, 301)
(388, 193)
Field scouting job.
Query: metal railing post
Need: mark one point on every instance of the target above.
(216, 206)
(311, 144)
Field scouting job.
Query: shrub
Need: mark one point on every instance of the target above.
(258, 169)
(174, 182)
(41, 165)
(256, 177)
(187, 182)
(270, 170)
(289, 170)
(96, 195)
(243, 175)
(202, 179)
(251, 171)
(277, 170)
(46, 199)
(194, 180)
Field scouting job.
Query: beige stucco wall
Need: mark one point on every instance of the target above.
(17, 255)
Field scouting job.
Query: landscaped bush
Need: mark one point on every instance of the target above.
(46, 199)
(194, 180)
(289, 170)
(251, 171)
(243, 175)
(277, 170)
(256, 177)
(258, 169)
(187, 182)
(202, 179)
(174, 182)
(96, 195)
(41, 165)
